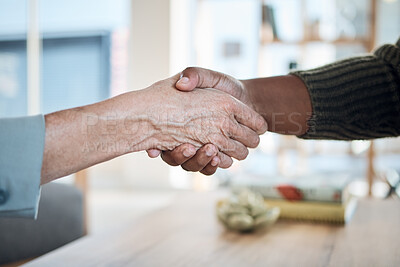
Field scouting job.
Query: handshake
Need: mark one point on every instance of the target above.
(213, 117)
(212, 122)
(199, 119)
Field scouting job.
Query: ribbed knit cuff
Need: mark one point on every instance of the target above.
(356, 98)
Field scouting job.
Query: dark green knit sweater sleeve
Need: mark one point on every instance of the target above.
(356, 98)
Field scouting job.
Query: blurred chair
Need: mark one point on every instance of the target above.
(61, 219)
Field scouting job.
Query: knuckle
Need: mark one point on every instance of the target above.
(208, 147)
(230, 102)
(233, 126)
(225, 124)
(239, 133)
(226, 101)
(219, 140)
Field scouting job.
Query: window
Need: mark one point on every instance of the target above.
(83, 53)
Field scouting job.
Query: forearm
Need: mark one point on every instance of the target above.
(283, 101)
(81, 137)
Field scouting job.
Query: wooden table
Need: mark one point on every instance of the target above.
(188, 234)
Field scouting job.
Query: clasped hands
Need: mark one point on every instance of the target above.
(200, 119)
(239, 130)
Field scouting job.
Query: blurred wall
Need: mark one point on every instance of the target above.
(149, 61)
(388, 24)
(65, 15)
(149, 55)
(227, 36)
(149, 47)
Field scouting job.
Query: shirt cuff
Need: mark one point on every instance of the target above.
(21, 155)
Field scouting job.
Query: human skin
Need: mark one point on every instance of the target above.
(158, 117)
(283, 101)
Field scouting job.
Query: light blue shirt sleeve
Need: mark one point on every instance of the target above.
(21, 156)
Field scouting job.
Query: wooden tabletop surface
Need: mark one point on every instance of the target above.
(188, 234)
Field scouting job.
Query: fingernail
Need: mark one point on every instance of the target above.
(188, 152)
(184, 80)
(209, 151)
(215, 162)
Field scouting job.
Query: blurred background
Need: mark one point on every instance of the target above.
(58, 54)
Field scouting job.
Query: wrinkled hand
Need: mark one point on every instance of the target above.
(207, 159)
(201, 117)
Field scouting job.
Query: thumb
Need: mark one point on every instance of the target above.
(194, 77)
(187, 81)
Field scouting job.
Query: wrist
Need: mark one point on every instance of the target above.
(283, 101)
(81, 137)
(128, 121)
(249, 96)
(146, 122)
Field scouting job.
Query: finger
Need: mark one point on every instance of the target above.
(203, 157)
(179, 155)
(211, 167)
(153, 153)
(243, 134)
(225, 160)
(194, 77)
(230, 147)
(236, 150)
(248, 117)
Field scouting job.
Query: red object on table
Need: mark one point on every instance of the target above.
(290, 192)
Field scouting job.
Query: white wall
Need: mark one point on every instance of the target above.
(182, 25)
(222, 21)
(388, 24)
(65, 15)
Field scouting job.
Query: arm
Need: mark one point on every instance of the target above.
(356, 98)
(283, 101)
(37, 150)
